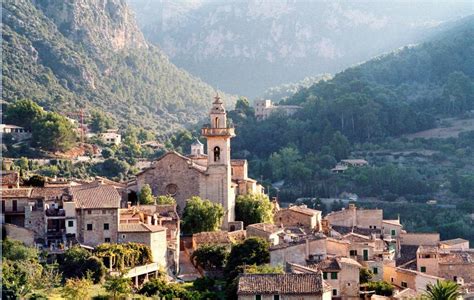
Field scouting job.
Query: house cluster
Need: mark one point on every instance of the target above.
(323, 257)
(87, 213)
(264, 108)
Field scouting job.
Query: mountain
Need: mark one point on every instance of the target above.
(397, 93)
(90, 54)
(245, 47)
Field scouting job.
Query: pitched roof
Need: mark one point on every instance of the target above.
(392, 222)
(304, 210)
(283, 284)
(218, 237)
(15, 193)
(355, 237)
(48, 192)
(189, 161)
(95, 196)
(265, 227)
(9, 178)
(454, 242)
(139, 227)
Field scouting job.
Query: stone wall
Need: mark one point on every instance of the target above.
(297, 253)
(97, 217)
(172, 169)
(418, 239)
(463, 270)
(21, 234)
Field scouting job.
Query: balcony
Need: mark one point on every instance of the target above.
(206, 131)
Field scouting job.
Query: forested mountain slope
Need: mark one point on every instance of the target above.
(259, 44)
(402, 92)
(89, 53)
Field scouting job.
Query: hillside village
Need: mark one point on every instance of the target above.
(345, 254)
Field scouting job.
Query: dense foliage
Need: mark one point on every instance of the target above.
(201, 215)
(253, 208)
(124, 255)
(210, 257)
(80, 263)
(66, 66)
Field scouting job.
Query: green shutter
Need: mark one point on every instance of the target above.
(333, 275)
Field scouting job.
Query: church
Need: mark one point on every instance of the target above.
(214, 176)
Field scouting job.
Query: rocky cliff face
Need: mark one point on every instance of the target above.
(103, 23)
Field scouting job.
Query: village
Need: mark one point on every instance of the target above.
(351, 253)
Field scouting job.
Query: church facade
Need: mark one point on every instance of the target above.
(214, 176)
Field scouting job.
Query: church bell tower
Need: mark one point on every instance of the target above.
(218, 135)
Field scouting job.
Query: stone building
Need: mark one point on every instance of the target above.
(153, 236)
(268, 232)
(214, 176)
(282, 286)
(264, 108)
(300, 216)
(304, 251)
(10, 179)
(97, 213)
(342, 274)
(353, 217)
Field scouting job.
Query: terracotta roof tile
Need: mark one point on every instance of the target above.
(15, 193)
(282, 284)
(48, 192)
(454, 242)
(9, 178)
(139, 227)
(95, 196)
(305, 210)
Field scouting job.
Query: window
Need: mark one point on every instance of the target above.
(334, 292)
(89, 212)
(258, 297)
(375, 227)
(70, 223)
(423, 269)
(123, 236)
(394, 232)
(107, 240)
(89, 227)
(404, 284)
(217, 153)
(325, 275)
(333, 275)
(104, 211)
(106, 226)
(391, 279)
(353, 253)
(15, 205)
(375, 270)
(276, 297)
(3, 205)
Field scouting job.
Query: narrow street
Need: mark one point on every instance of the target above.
(187, 271)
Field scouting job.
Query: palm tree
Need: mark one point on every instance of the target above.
(442, 290)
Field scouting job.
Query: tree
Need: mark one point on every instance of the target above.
(145, 196)
(253, 208)
(161, 200)
(252, 251)
(76, 288)
(117, 285)
(340, 146)
(79, 263)
(442, 290)
(35, 180)
(365, 275)
(107, 153)
(210, 257)
(381, 288)
(264, 269)
(24, 113)
(201, 215)
(113, 167)
(54, 132)
(100, 122)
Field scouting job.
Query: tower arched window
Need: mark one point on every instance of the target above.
(217, 153)
(216, 122)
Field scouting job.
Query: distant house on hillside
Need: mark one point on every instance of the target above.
(18, 133)
(345, 164)
(264, 108)
(111, 137)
